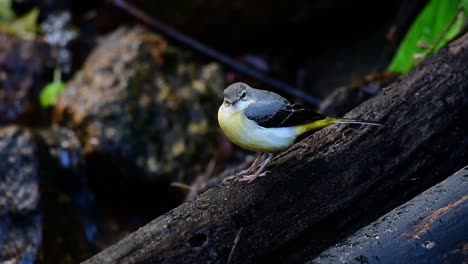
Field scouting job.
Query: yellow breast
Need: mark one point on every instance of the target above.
(248, 135)
(231, 124)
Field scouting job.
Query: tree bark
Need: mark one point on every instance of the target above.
(331, 183)
(430, 228)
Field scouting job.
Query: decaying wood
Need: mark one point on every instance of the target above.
(431, 228)
(335, 181)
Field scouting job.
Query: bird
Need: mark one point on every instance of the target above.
(265, 122)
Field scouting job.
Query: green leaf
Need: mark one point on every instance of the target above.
(430, 28)
(52, 90)
(6, 12)
(25, 27)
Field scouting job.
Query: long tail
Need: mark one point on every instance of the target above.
(332, 120)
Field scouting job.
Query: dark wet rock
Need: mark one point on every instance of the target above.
(70, 221)
(145, 106)
(64, 147)
(26, 66)
(20, 220)
(345, 98)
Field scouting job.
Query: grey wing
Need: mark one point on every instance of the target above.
(274, 113)
(263, 112)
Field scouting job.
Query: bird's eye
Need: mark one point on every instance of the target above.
(242, 95)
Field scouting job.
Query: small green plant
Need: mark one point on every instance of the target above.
(52, 90)
(25, 27)
(438, 23)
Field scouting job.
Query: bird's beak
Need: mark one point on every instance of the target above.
(227, 102)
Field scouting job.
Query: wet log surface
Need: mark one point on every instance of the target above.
(329, 184)
(431, 228)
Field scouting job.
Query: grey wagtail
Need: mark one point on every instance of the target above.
(263, 121)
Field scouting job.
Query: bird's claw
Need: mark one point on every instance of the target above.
(244, 172)
(251, 177)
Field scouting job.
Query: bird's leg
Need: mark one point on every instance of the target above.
(254, 165)
(259, 172)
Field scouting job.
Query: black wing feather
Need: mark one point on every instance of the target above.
(285, 115)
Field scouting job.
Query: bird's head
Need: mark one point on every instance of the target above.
(238, 95)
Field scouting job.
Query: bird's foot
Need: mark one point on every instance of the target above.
(259, 173)
(251, 177)
(252, 167)
(245, 172)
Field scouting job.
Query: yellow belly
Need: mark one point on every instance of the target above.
(248, 135)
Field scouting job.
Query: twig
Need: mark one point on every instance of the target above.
(236, 241)
(181, 185)
(213, 54)
(199, 184)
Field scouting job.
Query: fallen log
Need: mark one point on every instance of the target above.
(333, 182)
(430, 228)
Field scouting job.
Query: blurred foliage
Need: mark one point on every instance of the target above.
(6, 12)
(437, 24)
(24, 27)
(52, 90)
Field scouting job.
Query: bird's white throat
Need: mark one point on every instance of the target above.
(230, 109)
